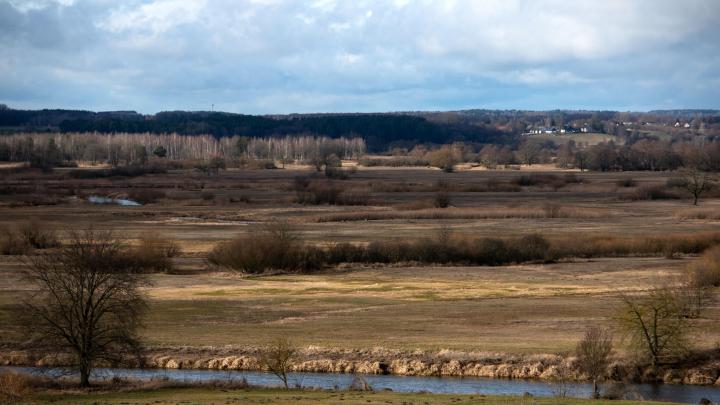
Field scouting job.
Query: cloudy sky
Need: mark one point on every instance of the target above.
(274, 56)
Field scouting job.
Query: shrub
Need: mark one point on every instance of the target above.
(530, 248)
(155, 255)
(626, 182)
(656, 192)
(546, 180)
(12, 243)
(35, 236)
(441, 200)
(444, 158)
(14, 386)
(706, 272)
(319, 192)
(491, 251)
(146, 195)
(345, 253)
(315, 191)
(274, 247)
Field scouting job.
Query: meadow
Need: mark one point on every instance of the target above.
(517, 308)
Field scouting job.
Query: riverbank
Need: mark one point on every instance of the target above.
(702, 369)
(282, 397)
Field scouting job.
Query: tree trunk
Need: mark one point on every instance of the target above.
(84, 374)
(595, 394)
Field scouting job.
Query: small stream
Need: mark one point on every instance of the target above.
(690, 394)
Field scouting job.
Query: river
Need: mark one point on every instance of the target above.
(690, 394)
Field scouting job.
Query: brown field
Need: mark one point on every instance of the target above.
(528, 308)
(591, 138)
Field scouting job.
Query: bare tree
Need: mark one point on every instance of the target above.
(529, 152)
(594, 353)
(278, 357)
(695, 182)
(87, 300)
(659, 322)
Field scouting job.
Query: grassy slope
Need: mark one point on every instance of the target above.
(206, 396)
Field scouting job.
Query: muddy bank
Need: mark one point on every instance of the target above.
(702, 370)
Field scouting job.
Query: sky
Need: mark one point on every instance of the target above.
(274, 56)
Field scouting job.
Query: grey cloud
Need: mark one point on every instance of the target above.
(285, 56)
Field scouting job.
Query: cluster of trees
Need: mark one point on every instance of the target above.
(645, 154)
(43, 149)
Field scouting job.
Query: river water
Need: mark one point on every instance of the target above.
(690, 394)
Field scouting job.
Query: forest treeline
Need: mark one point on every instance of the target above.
(378, 130)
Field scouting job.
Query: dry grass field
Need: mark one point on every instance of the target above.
(526, 308)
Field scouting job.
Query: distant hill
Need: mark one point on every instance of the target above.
(380, 130)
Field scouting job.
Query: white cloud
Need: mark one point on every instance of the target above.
(25, 6)
(157, 17)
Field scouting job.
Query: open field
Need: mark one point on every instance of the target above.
(524, 308)
(590, 138)
(207, 396)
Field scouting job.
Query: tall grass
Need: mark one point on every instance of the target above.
(706, 272)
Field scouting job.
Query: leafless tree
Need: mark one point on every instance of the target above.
(278, 357)
(529, 152)
(695, 182)
(594, 353)
(87, 301)
(659, 322)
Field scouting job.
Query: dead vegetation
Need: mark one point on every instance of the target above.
(14, 386)
(29, 236)
(705, 273)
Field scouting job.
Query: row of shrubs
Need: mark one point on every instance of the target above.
(151, 254)
(279, 248)
(120, 171)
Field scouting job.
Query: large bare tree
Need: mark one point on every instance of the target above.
(87, 300)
